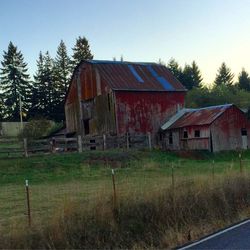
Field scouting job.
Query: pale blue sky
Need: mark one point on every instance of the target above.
(208, 32)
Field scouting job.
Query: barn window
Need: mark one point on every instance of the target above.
(243, 131)
(86, 126)
(185, 134)
(197, 133)
(170, 138)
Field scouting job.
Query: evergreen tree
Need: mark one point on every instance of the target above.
(224, 76)
(191, 76)
(45, 91)
(15, 82)
(174, 67)
(62, 77)
(62, 67)
(244, 80)
(81, 51)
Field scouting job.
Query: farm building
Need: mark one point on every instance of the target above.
(214, 128)
(111, 97)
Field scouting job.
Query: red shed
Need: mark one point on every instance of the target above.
(214, 128)
(118, 97)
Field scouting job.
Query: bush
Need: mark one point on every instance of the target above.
(36, 129)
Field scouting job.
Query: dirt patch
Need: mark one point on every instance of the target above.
(193, 155)
(117, 160)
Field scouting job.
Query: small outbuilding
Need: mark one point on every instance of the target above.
(214, 128)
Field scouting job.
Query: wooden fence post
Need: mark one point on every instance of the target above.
(28, 201)
(79, 143)
(149, 141)
(127, 140)
(25, 146)
(104, 142)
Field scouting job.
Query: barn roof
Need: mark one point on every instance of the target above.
(194, 117)
(138, 76)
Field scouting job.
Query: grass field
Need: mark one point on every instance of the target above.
(56, 180)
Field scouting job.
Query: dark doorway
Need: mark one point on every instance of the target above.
(86, 127)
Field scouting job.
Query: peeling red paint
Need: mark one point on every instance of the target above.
(141, 112)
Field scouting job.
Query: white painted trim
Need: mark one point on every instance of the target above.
(215, 235)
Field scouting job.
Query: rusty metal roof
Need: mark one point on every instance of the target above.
(194, 117)
(121, 75)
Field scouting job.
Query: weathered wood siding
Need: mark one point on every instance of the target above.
(97, 101)
(226, 130)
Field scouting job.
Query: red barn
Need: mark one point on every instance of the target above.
(214, 128)
(110, 97)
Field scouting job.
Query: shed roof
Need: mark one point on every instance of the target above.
(138, 76)
(194, 117)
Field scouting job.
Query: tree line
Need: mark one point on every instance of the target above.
(223, 90)
(43, 96)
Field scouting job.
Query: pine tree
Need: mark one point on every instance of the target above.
(191, 76)
(15, 82)
(244, 80)
(45, 91)
(81, 51)
(62, 67)
(224, 76)
(39, 91)
(174, 67)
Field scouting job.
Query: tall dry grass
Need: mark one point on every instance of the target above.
(157, 218)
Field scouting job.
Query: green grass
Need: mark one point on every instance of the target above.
(59, 178)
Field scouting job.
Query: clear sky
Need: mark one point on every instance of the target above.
(207, 31)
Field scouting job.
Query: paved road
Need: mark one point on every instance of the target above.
(235, 237)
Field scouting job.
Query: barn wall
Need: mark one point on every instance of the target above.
(192, 142)
(141, 112)
(176, 140)
(226, 130)
(97, 104)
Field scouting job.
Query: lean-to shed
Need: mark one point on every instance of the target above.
(214, 128)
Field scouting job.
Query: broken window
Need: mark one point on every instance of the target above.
(185, 134)
(197, 133)
(243, 131)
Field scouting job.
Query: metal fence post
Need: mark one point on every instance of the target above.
(28, 201)
(241, 170)
(79, 143)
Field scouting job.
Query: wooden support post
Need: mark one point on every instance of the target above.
(127, 140)
(104, 142)
(114, 190)
(28, 201)
(79, 143)
(25, 146)
(149, 141)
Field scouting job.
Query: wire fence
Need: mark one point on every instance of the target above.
(30, 203)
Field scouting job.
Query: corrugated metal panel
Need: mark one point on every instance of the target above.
(201, 116)
(130, 76)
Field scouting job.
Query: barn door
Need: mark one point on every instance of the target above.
(244, 138)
